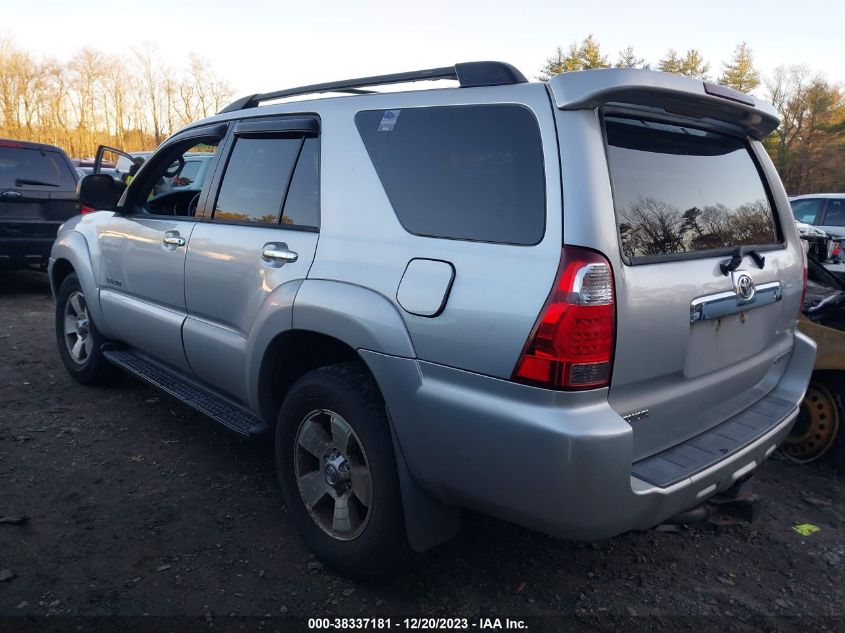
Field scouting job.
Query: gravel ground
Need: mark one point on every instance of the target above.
(138, 505)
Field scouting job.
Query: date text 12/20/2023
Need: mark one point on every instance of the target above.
(415, 624)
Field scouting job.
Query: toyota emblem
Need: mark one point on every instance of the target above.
(745, 287)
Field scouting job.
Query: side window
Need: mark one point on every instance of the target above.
(302, 205)
(461, 172)
(806, 210)
(160, 188)
(834, 215)
(256, 179)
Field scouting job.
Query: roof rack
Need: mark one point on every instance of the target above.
(468, 74)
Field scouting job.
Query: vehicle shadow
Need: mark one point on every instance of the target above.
(24, 282)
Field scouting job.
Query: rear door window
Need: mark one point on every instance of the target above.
(834, 215)
(681, 191)
(461, 172)
(25, 168)
(302, 204)
(256, 180)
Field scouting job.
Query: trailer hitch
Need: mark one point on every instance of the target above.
(736, 503)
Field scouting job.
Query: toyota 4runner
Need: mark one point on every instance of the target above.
(571, 305)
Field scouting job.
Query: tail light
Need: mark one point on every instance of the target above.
(83, 209)
(571, 345)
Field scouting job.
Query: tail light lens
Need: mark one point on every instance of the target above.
(571, 345)
(83, 209)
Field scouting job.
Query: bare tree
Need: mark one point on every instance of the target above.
(808, 148)
(150, 75)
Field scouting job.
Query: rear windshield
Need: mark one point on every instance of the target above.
(461, 172)
(680, 190)
(25, 168)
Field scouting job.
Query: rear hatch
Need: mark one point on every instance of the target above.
(37, 191)
(691, 192)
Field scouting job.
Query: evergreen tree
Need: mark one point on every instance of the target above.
(740, 73)
(590, 54)
(584, 56)
(671, 63)
(690, 65)
(627, 59)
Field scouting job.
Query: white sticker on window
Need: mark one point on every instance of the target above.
(388, 120)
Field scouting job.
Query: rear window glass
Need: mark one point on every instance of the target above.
(461, 172)
(684, 190)
(24, 168)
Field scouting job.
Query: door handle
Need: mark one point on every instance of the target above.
(11, 195)
(279, 253)
(171, 240)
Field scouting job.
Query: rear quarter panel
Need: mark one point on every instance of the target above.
(498, 290)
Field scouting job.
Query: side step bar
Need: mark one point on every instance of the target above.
(227, 413)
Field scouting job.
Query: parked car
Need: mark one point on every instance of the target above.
(111, 171)
(571, 305)
(191, 175)
(823, 210)
(818, 432)
(37, 194)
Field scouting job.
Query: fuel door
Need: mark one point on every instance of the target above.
(425, 286)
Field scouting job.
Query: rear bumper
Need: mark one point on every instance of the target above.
(560, 463)
(17, 252)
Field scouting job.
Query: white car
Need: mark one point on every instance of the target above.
(823, 210)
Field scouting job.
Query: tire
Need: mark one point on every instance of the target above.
(818, 434)
(87, 366)
(319, 412)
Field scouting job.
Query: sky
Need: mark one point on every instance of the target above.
(260, 46)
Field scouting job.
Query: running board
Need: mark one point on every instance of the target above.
(219, 409)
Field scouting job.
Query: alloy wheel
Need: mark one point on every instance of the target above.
(79, 339)
(333, 474)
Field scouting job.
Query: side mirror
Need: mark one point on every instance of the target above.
(100, 191)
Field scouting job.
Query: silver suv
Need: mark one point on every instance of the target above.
(571, 305)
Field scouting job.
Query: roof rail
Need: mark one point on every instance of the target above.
(468, 74)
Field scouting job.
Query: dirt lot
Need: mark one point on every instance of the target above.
(138, 505)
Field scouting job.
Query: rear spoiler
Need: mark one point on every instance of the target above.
(589, 89)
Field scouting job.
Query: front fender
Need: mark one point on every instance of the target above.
(72, 247)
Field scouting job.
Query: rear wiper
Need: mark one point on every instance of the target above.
(736, 259)
(37, 183)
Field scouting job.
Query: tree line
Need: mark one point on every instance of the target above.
(808, 147)
(135, 101)
(131, 101)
